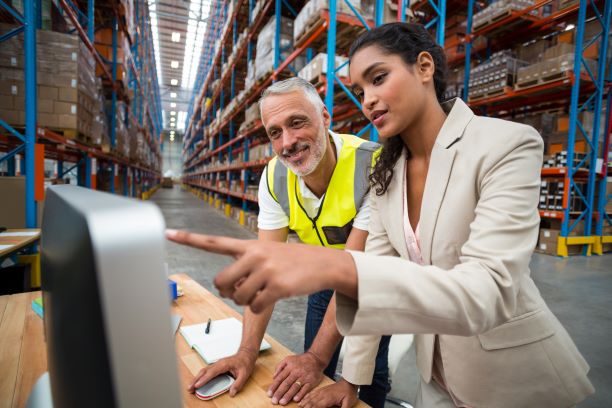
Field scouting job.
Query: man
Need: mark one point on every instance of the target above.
(317, 186)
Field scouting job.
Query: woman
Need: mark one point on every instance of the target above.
(453, 225)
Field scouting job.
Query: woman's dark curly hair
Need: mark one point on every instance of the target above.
(407, 40)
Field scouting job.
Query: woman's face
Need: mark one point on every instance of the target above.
(392, 93)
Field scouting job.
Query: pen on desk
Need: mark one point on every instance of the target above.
(207, 326)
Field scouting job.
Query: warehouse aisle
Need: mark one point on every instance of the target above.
(578, 290)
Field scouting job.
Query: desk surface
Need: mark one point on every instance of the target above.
(23, 356)
(17, 242)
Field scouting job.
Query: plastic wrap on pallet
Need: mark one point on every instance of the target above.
(497, 9)
(264, 60)
(494, 75)
(311, 11)
(249, 81)
(121, 130)
(251, 114)
(318, 66)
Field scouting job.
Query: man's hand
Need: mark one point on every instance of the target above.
(294, 377)
(341, 394)
(240, 366)
(259, 276)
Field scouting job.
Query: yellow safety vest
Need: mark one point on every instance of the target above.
(345, 193)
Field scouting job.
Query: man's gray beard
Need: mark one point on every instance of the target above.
(315, 158)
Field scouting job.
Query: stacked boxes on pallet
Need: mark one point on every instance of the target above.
(318, 66)
(553, 58)
(493, 76)
(311, 13)
(264, 61)
(67, 91)
(498, 10)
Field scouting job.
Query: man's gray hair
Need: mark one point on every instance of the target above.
(291, 85)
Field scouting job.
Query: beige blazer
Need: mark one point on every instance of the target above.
(500, 344)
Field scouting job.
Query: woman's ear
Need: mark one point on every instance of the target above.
(425, 65)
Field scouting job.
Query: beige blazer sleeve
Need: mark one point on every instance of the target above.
(480, 291)
(360, 353)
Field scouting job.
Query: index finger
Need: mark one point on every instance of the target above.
(211, 243)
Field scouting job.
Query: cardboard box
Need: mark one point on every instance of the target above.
(548, 243)
(12, 191)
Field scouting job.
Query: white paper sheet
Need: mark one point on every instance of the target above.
(19, 234)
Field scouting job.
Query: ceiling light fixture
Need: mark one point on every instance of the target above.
(155, 35)
(199, 11)
(182, 115)
(173, 94)
(174, 82)
(173, 104)
(174, 64)
(176, 37)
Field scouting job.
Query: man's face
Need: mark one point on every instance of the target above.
(297, 130)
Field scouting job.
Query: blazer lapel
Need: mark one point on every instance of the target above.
(438, 174)
(440, 166)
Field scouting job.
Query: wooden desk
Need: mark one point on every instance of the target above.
(23, 356)
(17, 242)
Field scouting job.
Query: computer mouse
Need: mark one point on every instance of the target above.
(215, 387)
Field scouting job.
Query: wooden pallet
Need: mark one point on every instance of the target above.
(543, 80)
(73, 134)
(493, 19)
(345, 35)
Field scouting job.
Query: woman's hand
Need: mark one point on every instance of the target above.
(265, 272)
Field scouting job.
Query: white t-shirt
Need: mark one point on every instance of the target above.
(271, 215)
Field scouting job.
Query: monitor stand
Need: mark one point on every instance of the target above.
(40, 397)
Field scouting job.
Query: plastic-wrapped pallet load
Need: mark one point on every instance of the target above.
(498, 10)
(121, 131)
(67, 87)
(318, 66)
(491, 77)
(264, 60)
(310, 13)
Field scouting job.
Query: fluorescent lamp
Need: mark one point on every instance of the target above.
(174, 64)
(155, 35)
(174, 82)
(172, 104)
(172, 113)
(176, 37)
(173, 94)
(199, 11)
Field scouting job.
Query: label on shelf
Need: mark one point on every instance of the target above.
(94, 166)
(13, 61)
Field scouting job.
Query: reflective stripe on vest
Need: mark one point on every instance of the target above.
(331, 226)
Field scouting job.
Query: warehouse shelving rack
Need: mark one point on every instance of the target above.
(38, 143)
(322, 37)
(582, 90)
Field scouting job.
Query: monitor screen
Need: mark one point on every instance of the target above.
(107, 308)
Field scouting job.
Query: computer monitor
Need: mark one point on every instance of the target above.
(107, 306)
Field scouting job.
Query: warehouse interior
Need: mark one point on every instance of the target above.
(157, 101)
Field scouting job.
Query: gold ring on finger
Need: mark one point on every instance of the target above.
(298, 383)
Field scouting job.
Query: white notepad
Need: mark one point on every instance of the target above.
(222, 341)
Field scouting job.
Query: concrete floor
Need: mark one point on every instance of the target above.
(577, 289)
